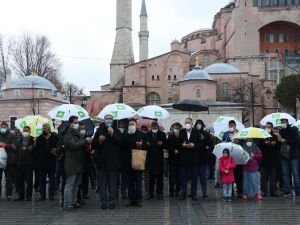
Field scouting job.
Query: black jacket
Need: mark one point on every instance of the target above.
(11, 150)
(291, 136)
(107, 153)
(25, 153)
(173, 143)
(45, 160)
(155, 155)
(189, 157)
(205, 147)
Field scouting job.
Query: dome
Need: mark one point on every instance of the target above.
(197, 74)
(221, 68)
(175, 41)
(33, 81)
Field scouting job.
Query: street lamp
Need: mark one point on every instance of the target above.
(83, 101)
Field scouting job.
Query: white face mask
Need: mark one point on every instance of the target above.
(249, 143)
(154, 131)
(188, 126)
(231, 129)
(82, 132)
(284, 125)
(131, 129)
(269, 130)
(198, 126)
(121, 130)
(25, 134)
(75, 126)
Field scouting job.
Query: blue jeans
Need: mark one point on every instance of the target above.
(187, 172)
(203, 178)
(288, 166)
(251, 182)
(71, 189)
(227, 190)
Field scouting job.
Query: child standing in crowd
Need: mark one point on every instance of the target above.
(251, 174)
(227, 165)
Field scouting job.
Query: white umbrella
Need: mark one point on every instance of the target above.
(221, 125)
(153, 112)
(275, 119)
(65, 111)
(118, 111)
(297, 124)
(240, 156)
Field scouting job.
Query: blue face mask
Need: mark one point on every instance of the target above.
(108, 123)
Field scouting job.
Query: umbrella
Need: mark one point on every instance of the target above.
(297, 124)
(89, 127)
(153, 112)
(118, 111)
(35, 123)
(240, 156)
(275, 119)
(65, 111)
(190, 105)
(252, 132)
(221, 125)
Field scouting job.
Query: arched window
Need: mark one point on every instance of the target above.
(267, 50)
(206, 61)
(286, 52)
(153, 99)
(225, 89)
(198, 93)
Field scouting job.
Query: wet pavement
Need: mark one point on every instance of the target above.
(170, 211)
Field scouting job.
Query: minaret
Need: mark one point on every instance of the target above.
(144, 33)
(123, 50)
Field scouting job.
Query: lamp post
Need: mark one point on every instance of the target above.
(83, 101)
(252, 102)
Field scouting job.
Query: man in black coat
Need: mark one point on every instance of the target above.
(107, 142)
(25, 165)
(155, 160)
(270, 149)
(45, 150)
(189, 143)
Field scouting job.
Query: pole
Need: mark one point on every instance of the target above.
(252, 103)
(70, 94)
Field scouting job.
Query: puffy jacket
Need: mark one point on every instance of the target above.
(227, 163)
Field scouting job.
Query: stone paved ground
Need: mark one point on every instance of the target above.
(168, 212)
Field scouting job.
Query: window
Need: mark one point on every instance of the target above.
(157, 78)
(13, 122)
(255, 3)
(295, 52)
(276, 37)
(175, 77)
(286, 52)
(40, 93)
(198, 93)
(282, 2)
(273, 63)
(153, 99)
(17, 93)
(206, 61)
(274, 2)
(169, 77)
(132, 82)
(267, 50)
(170, 100)
(267, 37)
(225, 89)
(152, 77)
(276, 50)
(285, 37)
(273, 75)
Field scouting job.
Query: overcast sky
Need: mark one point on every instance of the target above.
(82, 32)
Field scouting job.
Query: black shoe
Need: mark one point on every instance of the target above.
(42, 199)
(130, 204)
(86, 197)
(171, 194)
(205, 195)
(176, 194)
(77, 205)
(124, 197)
(28, 199)
(160, 197)
(112, 206)
(182, 198)
(194, 198)
(138, 204)
(51, 198)
(274, 195)
(19, 199)
(103, 206)
(264, 195)
(81, 202)
(190, 195)
(150, 196)
(8, 198)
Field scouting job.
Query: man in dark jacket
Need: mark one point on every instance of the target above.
(74, 145)
(45, 151)
(156, 141)
(289, 136)
(189, 143)
(107, 142)
(173, 146)
(270, 149)
(25, 165)
(7, 141)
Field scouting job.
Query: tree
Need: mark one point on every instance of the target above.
(70, 90)
(288, 91)
(33, 53)
(5, 48)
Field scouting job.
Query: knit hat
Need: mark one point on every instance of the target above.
(4, 124)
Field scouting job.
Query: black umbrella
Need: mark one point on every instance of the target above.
(190, 105)
(89, 126)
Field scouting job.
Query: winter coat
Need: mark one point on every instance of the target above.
(291, 136)
(107, 153)
(74, 145)
(229, 164)
(205, 147)
(173, 144)
(25, 153)
(253, 163)
(270, 152)
(45, 160)
(155, 155)
(189, 157)
(10, 148)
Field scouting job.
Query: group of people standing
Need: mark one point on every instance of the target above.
(70, 157)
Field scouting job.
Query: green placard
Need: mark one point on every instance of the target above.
(60, 114)
(158, 114)
(81, 114)
(120, 107)
(244, 133)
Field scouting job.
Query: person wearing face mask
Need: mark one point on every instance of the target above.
(133, 139)
(74, 144)
(107, 143)
(270, 149)
(25, 161)
(7, 141)
(156, 141)
(45, 154)
(251, 181)
(188, 158)
(144, 129)
(173, 146)
(289, 138)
